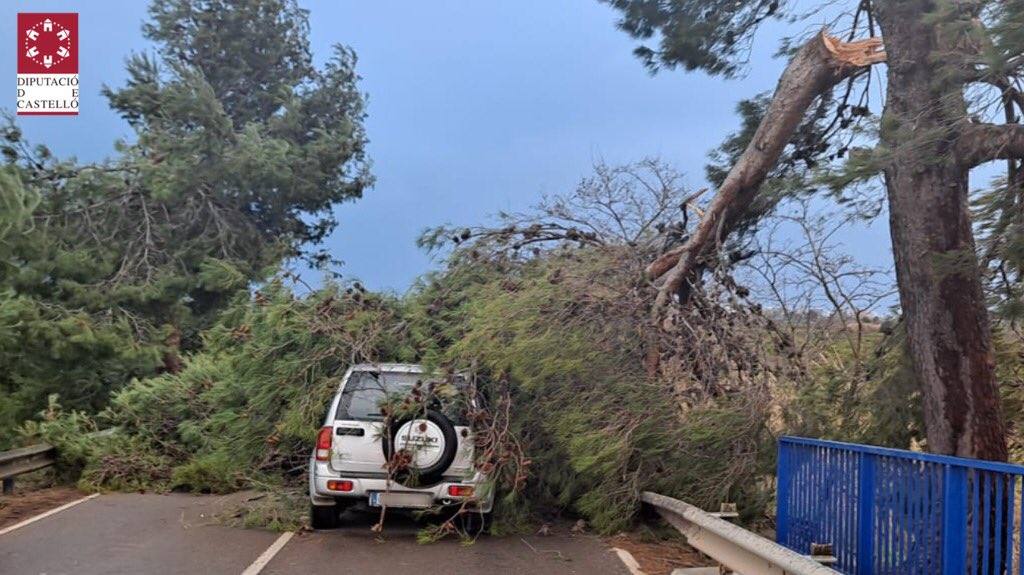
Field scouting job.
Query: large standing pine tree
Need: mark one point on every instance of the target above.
(952, 102)
(242, 149)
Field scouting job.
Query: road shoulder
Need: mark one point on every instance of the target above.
(24, 505)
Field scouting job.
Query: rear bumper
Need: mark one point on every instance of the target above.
(320, 473)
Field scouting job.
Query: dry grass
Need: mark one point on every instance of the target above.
(658, 557)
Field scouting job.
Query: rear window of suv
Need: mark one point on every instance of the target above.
(366, 391)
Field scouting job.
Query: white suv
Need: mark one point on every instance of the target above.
(349, 463)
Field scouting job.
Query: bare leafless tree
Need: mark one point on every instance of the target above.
(800, 270)
(642, 205)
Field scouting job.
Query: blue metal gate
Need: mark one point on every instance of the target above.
(895, 511)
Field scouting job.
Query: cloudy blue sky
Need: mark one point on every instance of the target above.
(474, 107)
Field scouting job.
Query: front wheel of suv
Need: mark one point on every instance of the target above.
(323, 516)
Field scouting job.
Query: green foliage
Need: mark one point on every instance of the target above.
(273, 508)
(709, 35)
(1000, 227)
(247, 408)
(1006, 29)
(269, 40)
(1010, 370)
(243, 412)
(215, 472)
(126, 463)
(876, 401)
(16, 206)
(69, 433)
(141, 269)
(598, 430)
(49, 349)
(110, 271)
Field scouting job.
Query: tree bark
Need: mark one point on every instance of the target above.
(924, 123)
(822, 63)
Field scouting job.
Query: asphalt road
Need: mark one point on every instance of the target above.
(176, 534)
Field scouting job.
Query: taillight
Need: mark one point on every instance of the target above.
(323, 443)
(460, 490)
(344, 485)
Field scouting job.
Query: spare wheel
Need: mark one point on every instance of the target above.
(431, 442)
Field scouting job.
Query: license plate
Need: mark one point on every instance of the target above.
(401, 499)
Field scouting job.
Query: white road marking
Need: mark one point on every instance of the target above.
(267, 555)
(21, 524)
(629, 561)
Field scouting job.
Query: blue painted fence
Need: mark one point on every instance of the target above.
(895, 511)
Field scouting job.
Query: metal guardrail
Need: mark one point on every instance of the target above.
(23, 460)
(895, 511)
(34, 457)
(732, 546)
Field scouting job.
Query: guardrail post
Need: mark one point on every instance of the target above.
(735, 548)
(865, 513)
(783, 488)
(954, 519)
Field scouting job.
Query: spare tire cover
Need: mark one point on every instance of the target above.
(431, 442)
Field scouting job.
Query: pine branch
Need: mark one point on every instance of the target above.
(980, 143)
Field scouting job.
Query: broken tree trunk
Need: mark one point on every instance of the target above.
(822, 63)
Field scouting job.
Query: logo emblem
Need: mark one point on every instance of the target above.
(422, 440)
(48, 43)
(48, 64)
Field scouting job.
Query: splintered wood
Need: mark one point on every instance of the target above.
(858, 53)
